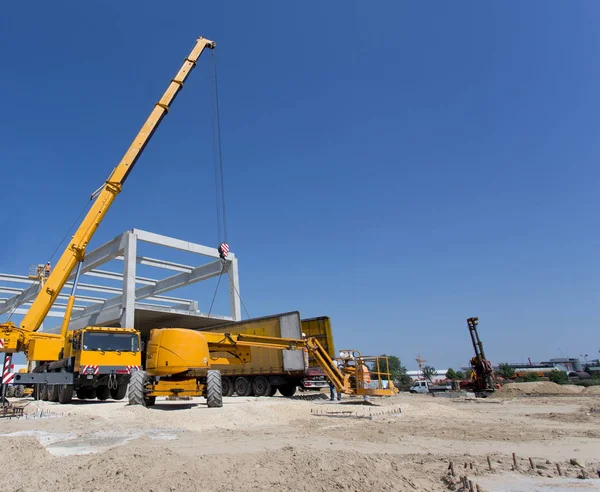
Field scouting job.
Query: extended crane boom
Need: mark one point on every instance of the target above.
(75, 252)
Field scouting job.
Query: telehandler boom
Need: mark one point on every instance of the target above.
(94, 361)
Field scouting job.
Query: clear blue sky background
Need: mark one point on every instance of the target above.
(394, 165)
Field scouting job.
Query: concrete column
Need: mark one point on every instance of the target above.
(129, 273)
(235, 307)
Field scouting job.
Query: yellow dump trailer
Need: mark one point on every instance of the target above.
(320, 329)
(269, 370)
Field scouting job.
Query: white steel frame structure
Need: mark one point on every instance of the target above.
(138, 298)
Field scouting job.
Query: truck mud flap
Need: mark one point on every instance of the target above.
(43, 378)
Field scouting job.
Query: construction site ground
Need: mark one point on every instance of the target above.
(259, 444)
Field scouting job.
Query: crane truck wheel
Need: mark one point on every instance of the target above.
(19, 391)
(227, 385)
(261, 386)
(81, 393)
(119, 393)
(53, 393)
(287, 389)
(10, 391)
(65, 393)
(214, 389)
(102, 393)
(242, 386)
(44, 392)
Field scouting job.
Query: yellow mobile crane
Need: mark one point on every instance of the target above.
(178, 362)
(93, 361)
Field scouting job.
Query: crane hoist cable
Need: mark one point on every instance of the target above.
(220, 185)
(221, 208)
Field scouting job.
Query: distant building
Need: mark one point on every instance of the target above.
(416, 375)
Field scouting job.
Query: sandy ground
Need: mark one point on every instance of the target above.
(259, 444)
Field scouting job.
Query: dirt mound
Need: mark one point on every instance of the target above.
(137, 468)
(592, 390)
(539, 388)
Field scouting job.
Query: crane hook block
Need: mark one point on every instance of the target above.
(223, 250)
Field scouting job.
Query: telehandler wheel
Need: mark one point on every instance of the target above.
(137, 390)
(214, 390)
(227, 385)
(287, 389)
(81, 393)
(102, 393)
(261, 386)
(53, 393)
(119, 393)
(273, 391)
(242, 386)
(65, 393)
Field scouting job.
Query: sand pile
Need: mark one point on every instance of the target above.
(592, 390)
(539, 388)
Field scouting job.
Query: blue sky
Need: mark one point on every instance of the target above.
(396, 166)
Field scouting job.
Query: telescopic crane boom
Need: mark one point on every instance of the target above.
(75, 252)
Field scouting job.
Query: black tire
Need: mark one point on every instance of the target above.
(10, 391)
(273, 391)
(53, 393)
(65, 393)
(90, 393)
(227, 386)
(261, 386)
(137, 390)
(81, 393)
(242, 386)
(19, 391)
(214, 389)
(44, 392)
(287, 389)
(102, 393)
(119, 392)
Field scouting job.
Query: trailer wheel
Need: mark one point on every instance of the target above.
(120, 392)
(242, 386)
(81, 393)
(102, 393)
(214, 390)
(261, 386)
(227, 385)
(273, 391)
(287, 389)
(137, 390)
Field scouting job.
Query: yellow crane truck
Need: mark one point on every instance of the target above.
(93, 361)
